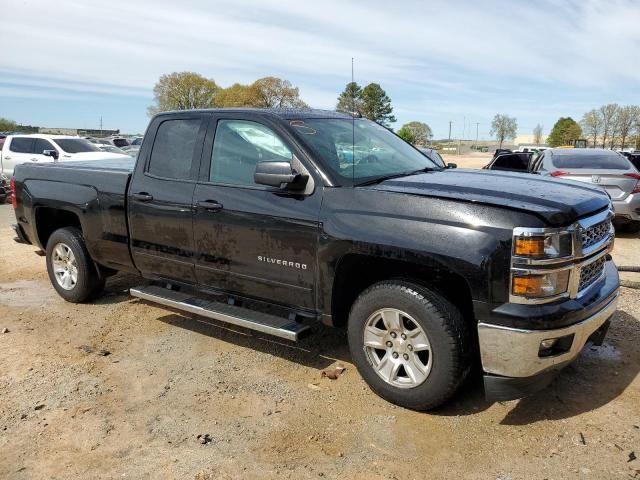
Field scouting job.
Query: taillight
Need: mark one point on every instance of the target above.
(558, 173)
(636, 176)
(12, 188)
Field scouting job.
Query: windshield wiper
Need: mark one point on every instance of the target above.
(381, 179)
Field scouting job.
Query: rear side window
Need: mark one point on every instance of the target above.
(76, 145)
(41, 145)
(591, 161)
(21, 144)
(173, 149)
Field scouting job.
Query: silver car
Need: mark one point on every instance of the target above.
(605, 168)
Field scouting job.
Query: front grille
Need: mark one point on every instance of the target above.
(590, 273)
(596, 233)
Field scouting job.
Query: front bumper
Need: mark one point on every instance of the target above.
(513, 352)
(629, 208)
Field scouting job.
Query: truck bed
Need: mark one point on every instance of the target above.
(95, 191)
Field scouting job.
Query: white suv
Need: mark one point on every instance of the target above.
(19, 149)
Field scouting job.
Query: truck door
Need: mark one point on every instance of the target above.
(252, 240)
(160, 198)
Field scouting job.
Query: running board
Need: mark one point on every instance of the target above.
(242, 317)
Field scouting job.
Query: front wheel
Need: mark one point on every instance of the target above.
(409, 344)
(71, 270)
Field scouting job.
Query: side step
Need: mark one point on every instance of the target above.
(242, 317)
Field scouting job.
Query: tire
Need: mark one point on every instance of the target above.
(67, 254)
(432, 375)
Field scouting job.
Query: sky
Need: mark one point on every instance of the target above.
(71, 62)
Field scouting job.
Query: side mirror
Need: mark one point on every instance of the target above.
(280, 175)
(452, 165)
(51, 153)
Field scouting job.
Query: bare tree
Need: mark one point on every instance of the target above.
(537, 134)
(625, 120)
(504, 128)
(608, 114)
(592, 124)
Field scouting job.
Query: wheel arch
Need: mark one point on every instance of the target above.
(356, 272)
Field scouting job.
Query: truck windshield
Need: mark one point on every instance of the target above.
(359, 150)
(76, 145)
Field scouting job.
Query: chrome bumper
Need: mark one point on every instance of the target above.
(512, 352)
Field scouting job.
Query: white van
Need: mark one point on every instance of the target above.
(19, 149)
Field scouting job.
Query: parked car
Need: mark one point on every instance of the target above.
(40, 148)
(136, 141)
(251, 217)
(634, 158)
(131, 150)
(605, 168)
(436, 158)
(111, 149)
(510, 161)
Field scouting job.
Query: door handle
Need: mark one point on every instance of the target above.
(209, 205)
(142, 197)
(7, 158)
(34, 159)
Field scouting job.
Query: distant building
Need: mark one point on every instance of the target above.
(528, 140)
(82, 132)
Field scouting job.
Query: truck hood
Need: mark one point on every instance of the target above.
(558, 202)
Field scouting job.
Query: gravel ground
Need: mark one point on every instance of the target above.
(178, 398)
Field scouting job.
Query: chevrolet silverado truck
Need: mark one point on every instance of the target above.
(257, 218)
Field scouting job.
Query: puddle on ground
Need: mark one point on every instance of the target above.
(26, 293)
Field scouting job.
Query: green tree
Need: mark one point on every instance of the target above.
(592, 124)
(626, 119)
(564, 132)
(420, 132)
(267, 92)
(537, 134)
(183, 91)
(273, 92)
(350, 100)
(376, 105)
(237, 95)
(407, 135)
(504, 127)
(7, 125)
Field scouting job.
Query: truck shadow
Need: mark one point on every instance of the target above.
(322, 347)
(598, 376)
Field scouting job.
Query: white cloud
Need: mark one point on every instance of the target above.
(421, 51)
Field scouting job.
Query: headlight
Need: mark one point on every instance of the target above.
(540, 246)
(544, 285)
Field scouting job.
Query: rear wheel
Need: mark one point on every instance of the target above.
(409, 344)
(71, 270)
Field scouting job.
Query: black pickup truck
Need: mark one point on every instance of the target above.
(272, 219)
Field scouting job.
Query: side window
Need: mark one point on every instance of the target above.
(21, 144)
(238, 146)
(41, 145)
(173, 149)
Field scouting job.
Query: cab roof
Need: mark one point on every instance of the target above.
(284, 113)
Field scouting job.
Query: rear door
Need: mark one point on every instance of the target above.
(252, 240)
(160, 198)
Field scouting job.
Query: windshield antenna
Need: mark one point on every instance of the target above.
(353, 125)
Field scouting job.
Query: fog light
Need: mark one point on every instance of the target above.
(550, 347)
(548, 343)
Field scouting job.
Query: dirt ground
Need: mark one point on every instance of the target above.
(143, 410)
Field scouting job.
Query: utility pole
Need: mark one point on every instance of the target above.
(450, 122)
(477, 123)
(100, 125)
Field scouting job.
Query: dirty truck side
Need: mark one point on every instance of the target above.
(322, 217)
